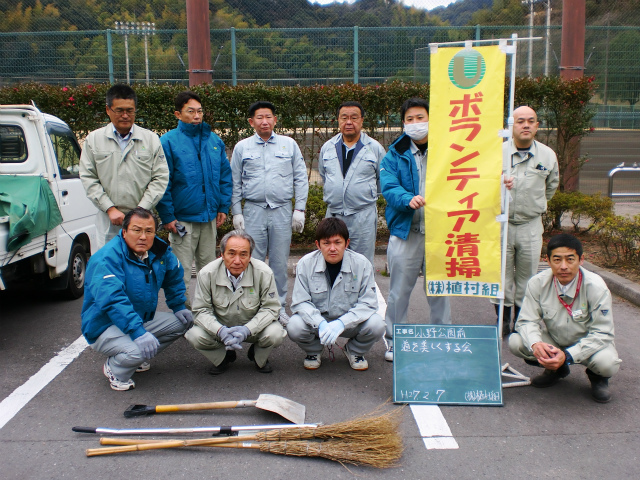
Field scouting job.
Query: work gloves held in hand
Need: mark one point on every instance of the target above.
(186, 317)
(148, 345)
(297, 221)
(232, 337)
(238, 222)
(330, 331)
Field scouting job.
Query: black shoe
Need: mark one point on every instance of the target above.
(266, 368)
(532, 362)
(550, 377)
(599, 387)
(229, 357)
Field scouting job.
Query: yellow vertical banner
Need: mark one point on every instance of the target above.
(466, 111)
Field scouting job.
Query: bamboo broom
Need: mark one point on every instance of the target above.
(378, 453)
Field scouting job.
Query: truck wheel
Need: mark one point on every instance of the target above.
(77, 270)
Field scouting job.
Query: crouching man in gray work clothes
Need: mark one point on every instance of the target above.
(334, 296)
(566, 318)
(349, 166)
(236, 301)
(268, 171)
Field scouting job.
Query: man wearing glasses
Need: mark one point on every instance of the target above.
(349, 165)
(119, 317)
(198, 197)
(122, 165)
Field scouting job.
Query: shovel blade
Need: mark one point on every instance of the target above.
(292, 411)
(139, 411)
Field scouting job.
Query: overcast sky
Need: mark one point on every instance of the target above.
(426, 4)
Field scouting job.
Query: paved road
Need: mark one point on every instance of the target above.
(554, 433)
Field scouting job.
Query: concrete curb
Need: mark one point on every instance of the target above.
(618, 285)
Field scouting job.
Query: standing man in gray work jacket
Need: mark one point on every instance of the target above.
(268, 171)
(122, 165)
(335, 296)
(349, 165)
(531, 176)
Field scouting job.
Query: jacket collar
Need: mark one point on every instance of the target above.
(191, 130)
(158, 249)
(402, 144)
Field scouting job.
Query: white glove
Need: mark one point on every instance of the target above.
(238, 221)
(297, 221)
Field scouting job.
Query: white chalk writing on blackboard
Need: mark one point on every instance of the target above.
(425, 346)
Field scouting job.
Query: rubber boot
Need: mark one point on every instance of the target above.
(599, 387)
(506, 319)
(550, 377)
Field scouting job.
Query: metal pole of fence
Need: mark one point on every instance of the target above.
(529, 67)
(126, 55)
(477, 33)
(110, 56)
(546, 46)
(355, 54)
(234, 72)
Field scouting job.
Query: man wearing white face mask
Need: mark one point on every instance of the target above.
(402, 179)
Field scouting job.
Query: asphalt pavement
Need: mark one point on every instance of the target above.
(550, 433)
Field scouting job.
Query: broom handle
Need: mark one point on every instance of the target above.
(198, 442)
(131, 441)
(205, 406)
(136, 441)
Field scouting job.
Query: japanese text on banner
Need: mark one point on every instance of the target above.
(464, 166)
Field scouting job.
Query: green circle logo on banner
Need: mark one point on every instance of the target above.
(467, 68)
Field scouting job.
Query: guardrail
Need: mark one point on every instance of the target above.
(635, 168)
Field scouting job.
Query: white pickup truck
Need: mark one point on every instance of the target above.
(47, 224)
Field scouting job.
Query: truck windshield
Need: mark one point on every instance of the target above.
(13, 147)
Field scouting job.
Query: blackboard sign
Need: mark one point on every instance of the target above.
(446, 365)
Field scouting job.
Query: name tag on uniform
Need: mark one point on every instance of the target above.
(576, 313)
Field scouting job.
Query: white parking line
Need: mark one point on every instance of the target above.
(11, 405)
(433, 427)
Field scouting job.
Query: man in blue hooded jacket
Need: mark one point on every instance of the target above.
(119, 317)
(402, 177)
(198, 196)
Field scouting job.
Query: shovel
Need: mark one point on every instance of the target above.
(292, 411)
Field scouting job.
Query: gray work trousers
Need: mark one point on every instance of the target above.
(406, 258)
(604, 362)
(214, 349)
(270, 228)
(361, 337)
(124, 355)
(362, 227)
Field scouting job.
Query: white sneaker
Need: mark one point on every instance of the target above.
(114, 382)
(283, 319)
(312, 362)
(357, 361)
(388, 355)
(143, 367)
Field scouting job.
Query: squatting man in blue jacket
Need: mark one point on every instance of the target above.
(198, 197)
(335, 296)
(119, 317)
(402, 178)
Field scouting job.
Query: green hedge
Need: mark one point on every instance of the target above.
(306, 113)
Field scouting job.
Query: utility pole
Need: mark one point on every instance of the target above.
(572, 66)
(199, 42)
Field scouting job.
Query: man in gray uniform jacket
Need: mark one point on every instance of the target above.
(236, 301)
(122, 165)
(268, 171)
(349, 166)
(334, 296)
(566, 318)
(531, 176)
